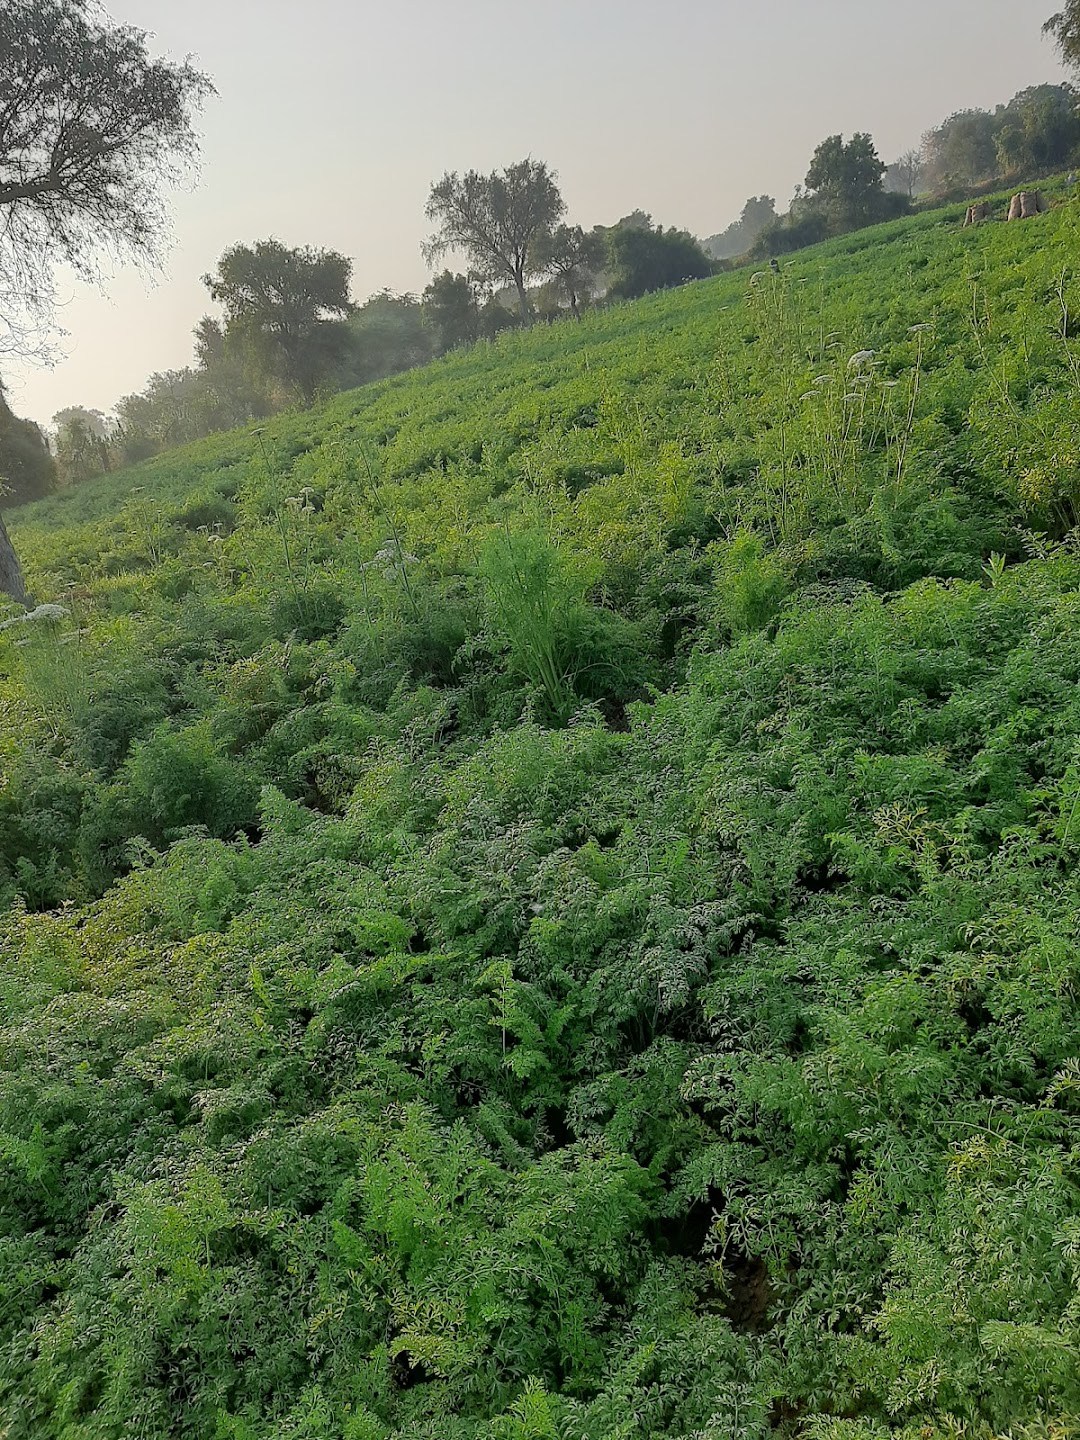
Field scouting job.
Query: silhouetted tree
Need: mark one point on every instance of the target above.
(573, 258)
(758, 212)
(497, 220)
(644, 260)
(92, 129)
(1065, 29)
(279, 302)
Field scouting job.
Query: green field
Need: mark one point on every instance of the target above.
(541, 897)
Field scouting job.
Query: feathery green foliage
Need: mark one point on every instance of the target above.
(541, 896)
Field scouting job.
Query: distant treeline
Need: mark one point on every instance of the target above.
(1036, 133)
(289, 332)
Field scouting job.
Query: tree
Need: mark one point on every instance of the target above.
(758, 213)
(962, 149)
(281, 302)
(636, 220)
(1038, 130)
(803, 225)
(844, 191)
(452, 308)
(904, 176)
(92, 130)
(175, 407)
(235, 390)
(847, 179)
(27, 471)
(81, 443)
(385, 336)
(158, 416)
(498, 220)
(1065, 29)
(573, 258)
(644, 260)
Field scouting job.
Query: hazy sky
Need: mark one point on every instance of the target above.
(334, 116)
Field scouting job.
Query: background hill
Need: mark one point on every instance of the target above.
(544, 891)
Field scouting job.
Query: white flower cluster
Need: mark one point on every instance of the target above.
(388, 556)
(41, 612)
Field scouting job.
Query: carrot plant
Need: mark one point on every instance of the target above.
(540, 896)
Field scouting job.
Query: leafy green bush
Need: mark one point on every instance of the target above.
(171, 782)
(751, 584)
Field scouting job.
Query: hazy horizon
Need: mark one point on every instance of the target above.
(331, 136)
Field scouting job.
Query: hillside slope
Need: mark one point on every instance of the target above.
(542, 896)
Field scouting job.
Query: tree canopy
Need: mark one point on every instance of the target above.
(1038, 129)
(81, 443)
(1065, 29)
(451, 307)
(847, 178)
(653, 259)
(758, 212)
(92, 131)
(277, 303)
(26, 467)
(574, 258)
(384, 336)
(497, 220)
(962, 148)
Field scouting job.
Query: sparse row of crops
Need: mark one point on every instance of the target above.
(542, 895)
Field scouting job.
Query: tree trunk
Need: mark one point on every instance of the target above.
(11, 576)
(523, 299)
